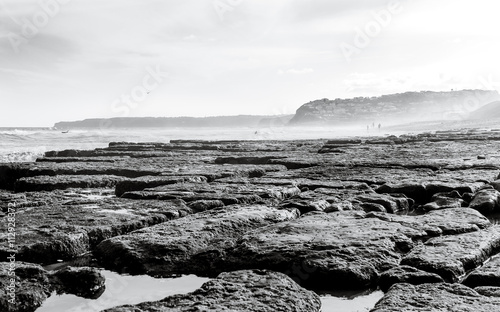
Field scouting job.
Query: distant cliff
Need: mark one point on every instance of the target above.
(490, 111)
(400, 107)
(176, 122)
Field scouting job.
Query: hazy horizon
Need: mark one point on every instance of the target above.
(68, 60)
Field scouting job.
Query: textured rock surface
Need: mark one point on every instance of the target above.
(186, 245)
(31, 284)
(487, 275)
(435, 297)
(453, 256)
(66, 225)
(336, 249)
(206, 207)
(486, 201)
(406, 274)
(257, 290)
(83, 282)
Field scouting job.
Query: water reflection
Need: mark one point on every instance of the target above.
(124, 289)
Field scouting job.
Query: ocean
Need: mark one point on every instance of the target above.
(27, 144)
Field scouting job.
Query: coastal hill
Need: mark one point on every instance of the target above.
(176, 122)
(393, 108)
(489, 111)
(400, 107)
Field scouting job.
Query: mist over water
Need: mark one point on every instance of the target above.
(26, 144)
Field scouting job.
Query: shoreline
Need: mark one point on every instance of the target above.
(349, 213)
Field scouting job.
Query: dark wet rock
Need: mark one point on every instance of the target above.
(228, 194)
(489, 291)
(440, 222)
(415, 191)
(336, 250)
(406, 274)
(33, 284)
(443, 202)
(345, 249)
(29, 282)
(83, 282)
(187, 245)
(141, 183)
(339, 206)
(64, 227)
(291, 163)
(486, 201)
(257, 290)
(202, 205)
(496, 185)
(343, 141)
(435, 297)
(9, 173)
(305, 206)
(434, 188)
(61, 182)
(453, 256)
(372, 207)
(391, 204)
(422, 192)
(487, 275)
(246, 160)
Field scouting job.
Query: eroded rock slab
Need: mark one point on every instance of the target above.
(63, 226)
(336, 250)
(187, 245)
(487, 275)
(257, 290)
(62, 182)
(452, 256)
(406, 274)
(25, 286)
(435, 297)
(440, 222)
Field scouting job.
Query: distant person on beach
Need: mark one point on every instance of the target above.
(379, 125)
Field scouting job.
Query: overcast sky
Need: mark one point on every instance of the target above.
(70, 60)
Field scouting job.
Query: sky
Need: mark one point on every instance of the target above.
(63, 60)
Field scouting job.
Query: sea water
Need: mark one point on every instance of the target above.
(27, 144)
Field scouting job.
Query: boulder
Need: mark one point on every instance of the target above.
(83, 282)
(443, 202)
(487, 275)
(24, 286)
(406, 274)
(486, 201)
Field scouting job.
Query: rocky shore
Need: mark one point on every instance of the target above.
(271, 222)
